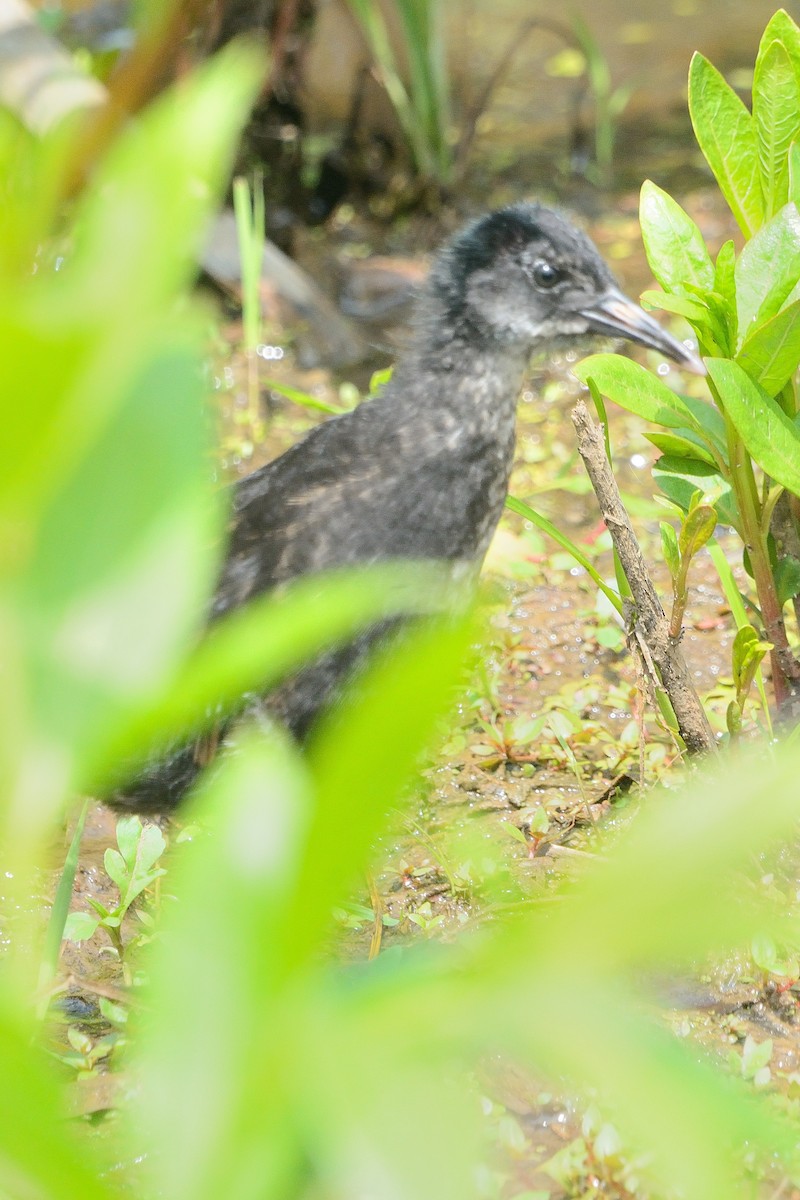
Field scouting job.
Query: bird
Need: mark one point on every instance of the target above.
(420, 471)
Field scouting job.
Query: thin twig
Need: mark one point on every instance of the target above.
(660, 653)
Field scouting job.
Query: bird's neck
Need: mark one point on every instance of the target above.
(459, 372)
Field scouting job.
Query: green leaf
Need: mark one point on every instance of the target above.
(32, 1108)
(748, 652)
(681, 306)
(725, 288)
(787, 579)
(769, 435)
(291, 837)
(137, 231)
(708, 422)
(726, 134)
(530, 514)
(771, 353)
(670, 549)
(79, 926)
(794, 173)
(724, 279)
(679, 480)
(88, 602)
(636, 389)
(776, 112)
(255, 646)
(682, 446)
(116, 868)
(674, 245)
(696, 530)
(305, 399)
(767, 270)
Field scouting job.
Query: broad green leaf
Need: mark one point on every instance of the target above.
(725, 288)
(709, 422)
(770, 437)
(683, 445)
(636, 389)
(109, 616)
(116, 868)
(772, 352)
(254, 647)
(680, 480)
(726, 134)
(676, 464)
(80, 926)
(767, 270)
(776, 112)
(681, 306)
(290, 839)
(675, 248)
(405, 692)
(68, 349)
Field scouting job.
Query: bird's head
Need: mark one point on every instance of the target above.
(526, 276)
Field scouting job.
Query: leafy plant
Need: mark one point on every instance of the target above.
(132, 868)
(742, 450)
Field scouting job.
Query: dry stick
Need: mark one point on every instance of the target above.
(661, 655)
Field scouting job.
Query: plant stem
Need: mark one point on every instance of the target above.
(784, 668)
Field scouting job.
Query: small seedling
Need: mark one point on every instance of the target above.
(132, 869)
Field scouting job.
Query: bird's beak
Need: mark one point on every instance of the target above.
(614, 315)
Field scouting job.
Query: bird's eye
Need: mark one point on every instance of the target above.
(545, 275)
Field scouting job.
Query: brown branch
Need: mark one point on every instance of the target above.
(660, 654)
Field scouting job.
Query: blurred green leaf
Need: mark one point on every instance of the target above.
(70, 351)
(31, 1110)
(289, 840)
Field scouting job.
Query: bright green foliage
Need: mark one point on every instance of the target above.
(726, 133)
(131, 868)
(674, 244)
(745, 313)
(263, 1068)
(771, 438)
